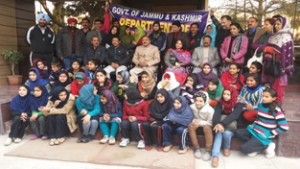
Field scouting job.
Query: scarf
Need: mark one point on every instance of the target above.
(112, 103)
(173, 82)
(106, 86)
(21, 104)
(149, 86)
(39, 81)
(183, 115)
(125, 76)
(238, 43)
(205, 78)
(228, 106)
(86, 95)
(157, 110)
(133, 96)
(66, 83)
(37, 102)
(213, 95)
(75, 87)
(213, 35)
(55, 96)
(182, 56)
(41, 71)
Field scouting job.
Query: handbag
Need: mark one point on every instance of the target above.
(272, 67)
(232, 125)
(254, 58)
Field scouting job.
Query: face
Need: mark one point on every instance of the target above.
(190, 80)
(206, 69)
(156, 27)
(253, 69)
(63, 78)
(206, 42)
(199, 102)
(178, 45)
(75, 65)
(42, 22)
(194, 29)
(267, 98)
(175, 28)
(145, 78)
(208, 30)
(37, 92)
(22, 91)
(62, 96)
(234, 30)
(145, 41)
(100, 77)
(116, 23)
(79, 81)
(92, 65)
(278, 25)
(250, 82)
(160, 98)
(85, 24)
(226, 95)
(95, 41)
(127, 31)
(114, 31)
(72, 24)
(55, 68)
(268, 27)
(225, 23)
(233, 70)
(115, 42)
(32, 76)
(252, 23)
(177, 104)
(119, 79)
(103, 99)
(212, 86)
(40, 65)
(97, 25)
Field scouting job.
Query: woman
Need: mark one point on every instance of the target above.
(147, 85)
(212, 32)
(107, 41)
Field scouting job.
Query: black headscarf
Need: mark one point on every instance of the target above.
(58, 83)
(158, 110)
(55, 96)
(133, 96)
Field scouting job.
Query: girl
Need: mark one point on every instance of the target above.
(75, 68)
(61, 115)
(214, 90)
(191, 86)
(91, 71)
(176, 60)
(102, 83)
(159, 108)
(135, 112)
(212, 32)
(177, 121)
(256, 67)
(233, 77)
(78, 82)
(224, 122)
(126, 36)
(63, 80)
(110, 117)
(170, 83)
(251, 96)
(121, 84)
(43, 69)
(20, 110)
(206, 74)
(203, 115)
(270, 122)
(37, 119)
(88, 108)
(147, 85)
(107, 41)
(35, 79)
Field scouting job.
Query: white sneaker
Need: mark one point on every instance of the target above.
(141, 144)
(8, 141)
(252, 154)
(124, 142)
(206, 156)
(111, 141)
(270, 151)
(17, 140)
(104, 140)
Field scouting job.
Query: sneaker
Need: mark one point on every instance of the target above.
(197, 153)
(252, 154)
(183, 151)
(17, 140)
(206, 156)
(215, 162)
(159, 148)
(34, 137)
(148, 148)
(59, 141)
(270, 151)
(104, 140)
(44, 137)
(8, 141)
(52, 142)
(167, 148)
(226, 152)
(124, 142)
(141, 144)
(111, 141)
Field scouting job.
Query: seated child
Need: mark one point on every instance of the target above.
(206, 74)
(102, 82)
(75, 68)
(170, 83)
(56, 67)
(92, 68)
(121, 84)
(63, 80)
(35, 79)
(190, 88)
(78, 82)
(233, 77)
(214, 90)
(43, 69)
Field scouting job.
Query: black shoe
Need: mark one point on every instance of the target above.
(80, 140)
(85, 139)
(90, 137)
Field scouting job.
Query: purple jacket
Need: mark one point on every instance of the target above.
(238, 57)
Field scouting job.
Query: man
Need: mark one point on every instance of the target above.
(41, 40)
(70, 43)
(146, 57)
(96, 32)
(85, 23)
(118, 57)
(176, 34)
(96, 51)
(194, 36)
(205, 54)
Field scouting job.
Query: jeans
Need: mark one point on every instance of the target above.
(251, 144)
(68, 60)
(110, 128)
(219, 137)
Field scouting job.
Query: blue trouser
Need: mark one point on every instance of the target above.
(68, 60)
(110, 128)
(219, 137)
(169, 129)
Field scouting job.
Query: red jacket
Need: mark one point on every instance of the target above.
(140, 111)
(228, 80)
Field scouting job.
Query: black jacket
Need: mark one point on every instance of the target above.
(99, 53)
(118, 55)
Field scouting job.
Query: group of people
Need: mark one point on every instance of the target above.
(153, 86)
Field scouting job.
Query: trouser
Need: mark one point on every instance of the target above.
(68, 60)
(109, 69)
(182, 132)
(39, 126)
(251, 144)
(47, 57)
(110, 128)
(224, 137)
(152, 133)
(126, 126)
(208, 135)
(90, 128)
(57, 126)
(18, 127)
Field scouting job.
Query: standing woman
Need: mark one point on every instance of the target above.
(212, 32)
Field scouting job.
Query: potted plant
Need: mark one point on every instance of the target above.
(13, 57)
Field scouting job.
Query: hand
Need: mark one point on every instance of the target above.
(132, 79)
(23, 117)
(196, 122)
(106, 117)
(219, 128)
(249, 107)
(177, 64)
(142, 63)
(143, 94)
(123, 86)
(70, 75)
(44, 109)
(134, 42)
(131, 118)
(61, 58)
(188, 85)
(165, 84)
(212, 12)
(86, 119)
(234, 86)
(228, 60)
(56, 103)
(34, 117)
(106, 8)
(83, 112)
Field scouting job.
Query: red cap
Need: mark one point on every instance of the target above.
(70, 20)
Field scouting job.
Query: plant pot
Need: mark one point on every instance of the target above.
(14, 80)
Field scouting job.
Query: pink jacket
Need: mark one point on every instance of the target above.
(238, 57)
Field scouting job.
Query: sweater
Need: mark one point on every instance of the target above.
(204, 115)
(140, 111)
(234, 115)
(253, 97)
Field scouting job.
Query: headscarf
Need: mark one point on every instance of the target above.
(182, 56)
(42, 15)
(195, 79)
(58, 83)
(86, 95)
(37, 102)
(213, 95)
(125, 38)
(39, 81)
(75, 87)
(55, 96)
(21, 104)
(213, 35)
(112, 103)
(125, 76)
(228, 106)
(133, 96)
(205, 78)
(158, 110)
(173, 82)
(183, 115)
(140, 34)
(41, 71)
(149, 86)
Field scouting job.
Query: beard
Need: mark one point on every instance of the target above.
(42, 24)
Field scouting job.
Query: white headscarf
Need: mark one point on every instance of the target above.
(173, 82)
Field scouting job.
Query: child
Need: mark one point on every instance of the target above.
(121, 84)
(110, 117)
(75, 68)
(91, 71)
(214, 90)
(135, 112)
(251, 96)
(177, 120)
(102, 83)
(78, 82)
(56, 67)
(269, 123)
(203, 115)
(37, 119)
(158, 108)
(170, 83)
(20, 109)
(256, 67)
(233, 77)
(61, 115)
(63, 80)
(43, 69)
(35, 79)
(206, 74)
(191, 86)
(147, 85)
(88, 108)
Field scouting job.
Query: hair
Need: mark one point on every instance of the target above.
(207, 36)
(95, 36)
(39, 87)
(94, 60)
(101, 71)
(215, 81)
(237, 25)
(144, 73)
(274, 104)
(278, 16)
(184, 47)
(114, 20)
(75, 60)
(252, 17)
(226, 17)
(116, 37)
(255, 76)
(145, 36)
(240, 72)
(98, 20)
(270, 20)
(86, 19)
(258, 65)
(195, 23)
(56, 62)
